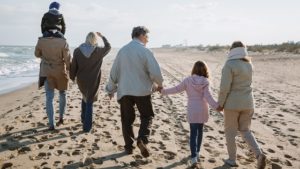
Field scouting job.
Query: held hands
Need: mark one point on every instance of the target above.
(159, 88)
(156, 88)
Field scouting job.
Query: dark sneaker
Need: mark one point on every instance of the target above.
(128, 150)
(51, 128)
(60, 122)
(143, 148)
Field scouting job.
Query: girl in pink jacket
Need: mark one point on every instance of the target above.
(196, 87)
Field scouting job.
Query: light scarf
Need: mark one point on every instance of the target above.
(237, 53)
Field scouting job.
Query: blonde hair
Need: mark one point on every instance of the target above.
(91, 38)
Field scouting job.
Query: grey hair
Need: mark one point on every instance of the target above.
(139, 30)
(91, 38)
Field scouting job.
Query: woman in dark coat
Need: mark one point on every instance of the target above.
(86, 68)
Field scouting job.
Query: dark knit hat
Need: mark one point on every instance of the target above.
(55, 5)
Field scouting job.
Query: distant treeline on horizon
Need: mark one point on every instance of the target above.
(290, 47)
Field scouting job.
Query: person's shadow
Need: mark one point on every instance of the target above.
(98, 161)
(20, 139)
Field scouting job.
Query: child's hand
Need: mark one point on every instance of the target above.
(220, 109)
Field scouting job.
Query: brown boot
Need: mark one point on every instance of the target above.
(143, 148)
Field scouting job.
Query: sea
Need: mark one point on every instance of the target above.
(19, 67)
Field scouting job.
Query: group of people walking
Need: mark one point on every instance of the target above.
(134, 75)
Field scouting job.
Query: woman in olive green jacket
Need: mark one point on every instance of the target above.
(237, 100)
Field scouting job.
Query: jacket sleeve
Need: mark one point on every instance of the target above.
(208, 97)
(112, 86)
(225, 85)
(154, 69)
(73, 67)
(177, 89)
(106, 47)
(38, 51)
(63, 25)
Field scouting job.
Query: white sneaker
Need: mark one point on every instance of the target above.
(198, 157)
(194, 160)
(261, 161)
(231, 163)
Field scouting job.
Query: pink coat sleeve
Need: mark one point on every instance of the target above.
(177, 89)
(208, 97)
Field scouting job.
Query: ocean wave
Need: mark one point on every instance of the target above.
(3, 54)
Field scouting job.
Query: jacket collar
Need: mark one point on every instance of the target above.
(237, 53)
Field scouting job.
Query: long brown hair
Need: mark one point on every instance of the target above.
(237, 44)
(200, 69)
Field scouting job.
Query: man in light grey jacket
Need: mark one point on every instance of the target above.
(134, 73)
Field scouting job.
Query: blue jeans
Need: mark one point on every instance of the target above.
(86, 115)
(49, 103)
(196, 134)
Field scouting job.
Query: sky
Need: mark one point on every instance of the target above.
(173, 22)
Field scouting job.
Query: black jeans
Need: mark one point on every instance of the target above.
(144, 106)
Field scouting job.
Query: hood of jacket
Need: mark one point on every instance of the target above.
(238, 53)
(87, 49)
(54, 11)
(198, 82)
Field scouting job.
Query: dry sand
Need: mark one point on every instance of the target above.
(26, 143)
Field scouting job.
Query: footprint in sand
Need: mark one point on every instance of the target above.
(211, 160)
(288, 163)
(169, 155)
(44, 163)
(270, 150)
(24, 150)
(56, 163)
(7, 165)
(291, 129)
(58, 152)
(280, 147)
(154, 148)
(76, 152)
(276, 166)
(162, 146)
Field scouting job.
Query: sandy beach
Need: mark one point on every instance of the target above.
(25, 141)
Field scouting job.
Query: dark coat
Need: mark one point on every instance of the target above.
(53, 20)
(87, 70)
